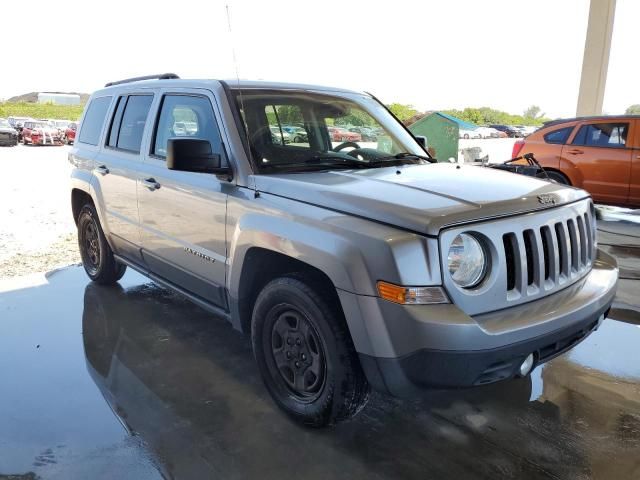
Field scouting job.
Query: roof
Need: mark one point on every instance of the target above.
(594, 117)
(232, 83)
(461, 123)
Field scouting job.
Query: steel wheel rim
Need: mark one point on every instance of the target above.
(91, 245)
(296, 354)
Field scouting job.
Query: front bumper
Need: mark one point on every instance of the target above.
(438, 346)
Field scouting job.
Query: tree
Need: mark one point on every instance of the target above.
(403, 112)
(533, 113)
(633, 110)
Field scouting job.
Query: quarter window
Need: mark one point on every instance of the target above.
(559, 136)
(612, 135)
(93, 120)
(186, 116)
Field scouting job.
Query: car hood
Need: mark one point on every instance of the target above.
(8, 130)
(421, 198)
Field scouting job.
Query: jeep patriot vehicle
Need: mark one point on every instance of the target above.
(351, 265)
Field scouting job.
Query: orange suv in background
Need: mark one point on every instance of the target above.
(598, 154)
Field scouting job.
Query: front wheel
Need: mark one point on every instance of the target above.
(97, 256)
(305, 354)
(557, 177)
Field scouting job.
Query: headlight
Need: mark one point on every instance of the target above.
(467, 261)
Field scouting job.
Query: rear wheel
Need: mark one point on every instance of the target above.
(97, 256)
(305, 353)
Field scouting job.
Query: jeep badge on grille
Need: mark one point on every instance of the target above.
(548, 199)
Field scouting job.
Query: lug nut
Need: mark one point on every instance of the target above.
(289, 341)
(297, 364)
(288, 355)
(298, 342)
(304, 357)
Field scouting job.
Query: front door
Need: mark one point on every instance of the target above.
(183, 214)
(599, 153)
(634, 187)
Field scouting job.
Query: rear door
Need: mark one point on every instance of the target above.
(634, 184)
(117, 168)
(183, 214)
(602, 160)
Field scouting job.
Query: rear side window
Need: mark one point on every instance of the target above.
(186, 116)
(93, 120)
(134, 118)
(612, 135)
(558, 136)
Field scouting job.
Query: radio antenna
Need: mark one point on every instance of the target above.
(235, 65)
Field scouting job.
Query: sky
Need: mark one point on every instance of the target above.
(504, 54)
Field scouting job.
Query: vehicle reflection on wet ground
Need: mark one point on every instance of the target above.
(134, 381)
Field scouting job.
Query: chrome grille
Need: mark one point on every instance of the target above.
(531, 255)
(543, 257)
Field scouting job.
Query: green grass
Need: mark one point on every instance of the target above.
(41, 110)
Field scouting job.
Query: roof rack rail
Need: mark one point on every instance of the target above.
(160, 76)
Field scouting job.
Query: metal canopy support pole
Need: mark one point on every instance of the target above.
(596, 57)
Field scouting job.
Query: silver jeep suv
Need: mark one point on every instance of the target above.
(352, 264)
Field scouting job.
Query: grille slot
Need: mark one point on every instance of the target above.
(547, 250)
(563, 254)
(582, 236)
(511, 256)
(575, 246)
(530, 248)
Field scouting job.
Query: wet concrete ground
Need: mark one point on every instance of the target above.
(136, 382)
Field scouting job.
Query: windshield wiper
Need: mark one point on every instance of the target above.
(328, 162)
(403, 155)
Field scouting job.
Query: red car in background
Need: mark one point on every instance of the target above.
(40, 133)
(69, 135)
(339, 134)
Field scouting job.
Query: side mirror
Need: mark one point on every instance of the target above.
(194, 155)
(422, 140)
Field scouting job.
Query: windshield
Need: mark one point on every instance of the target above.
(32, 125)
(4, 123)
(290, 131)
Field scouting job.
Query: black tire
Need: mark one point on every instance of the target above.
(97, 256)
(557, 177)
(294, 325)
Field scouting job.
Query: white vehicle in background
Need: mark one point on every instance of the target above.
(488, 132)
(466, 134)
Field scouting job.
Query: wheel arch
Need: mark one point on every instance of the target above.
(260, 266)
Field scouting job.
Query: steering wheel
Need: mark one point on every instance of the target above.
(345, 145)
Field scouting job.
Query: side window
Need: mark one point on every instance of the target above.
(93, 120)
(186, 116)
(558, 136)
(286, 125)
(613, 135)
(133, 121)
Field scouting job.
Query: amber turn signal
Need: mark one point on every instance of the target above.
(411, 295)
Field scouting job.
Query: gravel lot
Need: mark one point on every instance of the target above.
(37, 232)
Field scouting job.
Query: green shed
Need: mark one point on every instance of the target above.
(442, 135)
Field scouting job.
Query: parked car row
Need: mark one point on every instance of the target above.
(497, 131)
(37, 132)
(285, 134)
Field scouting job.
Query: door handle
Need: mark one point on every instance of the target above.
(102, 170)
(151, 184)
(575, 151)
